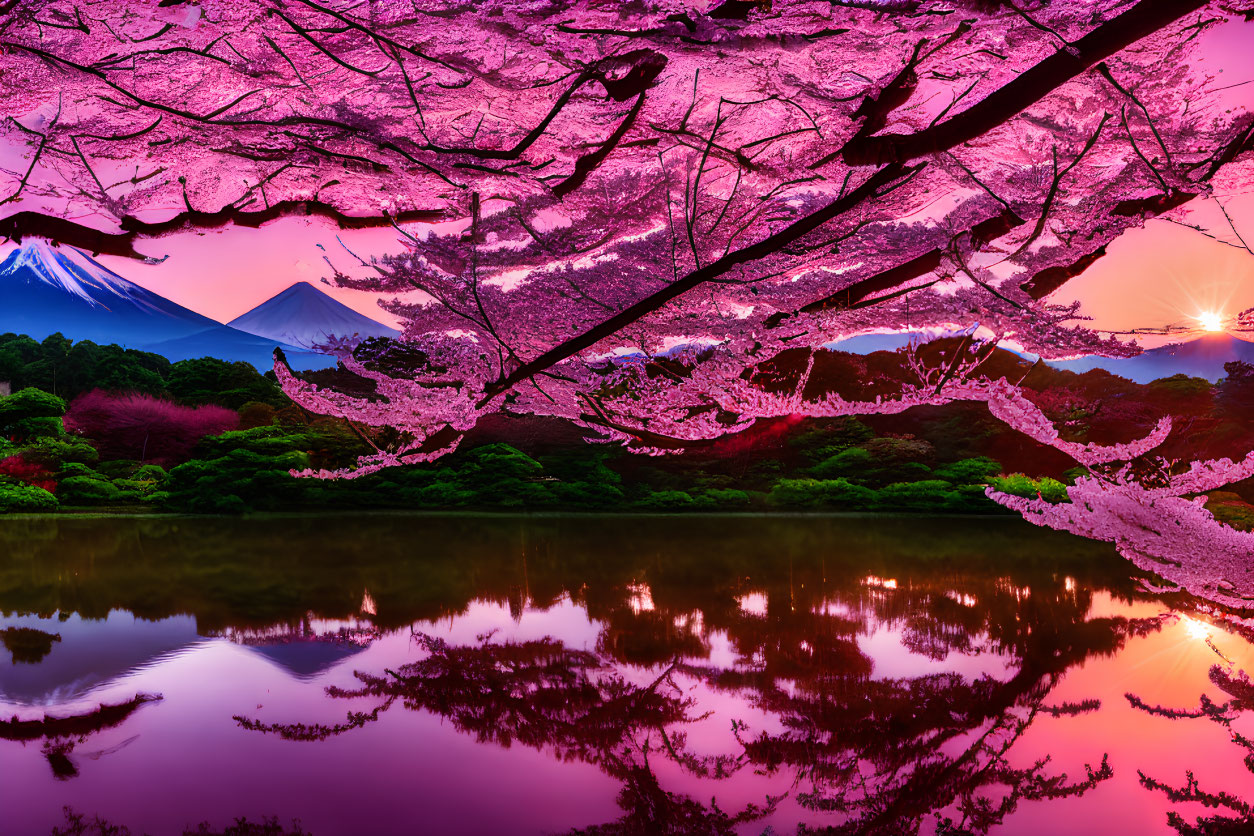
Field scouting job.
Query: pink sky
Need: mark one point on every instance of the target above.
(1164, 274)
(224, 273)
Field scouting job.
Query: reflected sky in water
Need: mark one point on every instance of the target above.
(471, 675)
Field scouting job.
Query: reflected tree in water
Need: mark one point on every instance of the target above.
(78, 824)
(28, 646)
(877, 755)
(544, 695)
(884, 754)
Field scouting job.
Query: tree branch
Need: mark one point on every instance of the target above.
(1141, 20)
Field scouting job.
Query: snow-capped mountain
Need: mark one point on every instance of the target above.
(304, 316)
(45, 290)
(1203, 357)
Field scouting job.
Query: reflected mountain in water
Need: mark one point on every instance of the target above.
(94, 653)
(307, 648)
(91, 653)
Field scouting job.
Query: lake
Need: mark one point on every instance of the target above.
(400, 674)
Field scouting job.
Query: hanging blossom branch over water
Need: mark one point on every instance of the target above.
(1146, 505)
(1160, 529)
(1150, 508)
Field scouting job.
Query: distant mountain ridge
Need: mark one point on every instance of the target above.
(1204, 357)
(46, 290)
(305, 316)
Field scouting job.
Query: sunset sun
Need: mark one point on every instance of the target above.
(1211, 321)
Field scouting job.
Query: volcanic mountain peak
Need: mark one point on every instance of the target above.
(305, 316)
(72, 271)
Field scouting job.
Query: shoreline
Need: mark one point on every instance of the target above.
(422, 512)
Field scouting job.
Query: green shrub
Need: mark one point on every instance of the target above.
(15, 496)
(881, 465)
(150, 473)
(976, 471)
(239, 481)
(727, 497)
(328, 445)
(443, 495)
(1017, 484)
(55, 452)
(138, 489)
(84, 490)
(847, 463)
(1229, 508)
(933, 496)
(929, 495)
(665, 501)
(821, 493)
(118, 468)
(586, 494)
(31, 413)
(266, 441)
(77, 469)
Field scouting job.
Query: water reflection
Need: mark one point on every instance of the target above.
(59, 736)
(306, 648)
(88, 653)
(1235, 816)
(625, 675)
(28, 645)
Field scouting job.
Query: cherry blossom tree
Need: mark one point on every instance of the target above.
(734, 178)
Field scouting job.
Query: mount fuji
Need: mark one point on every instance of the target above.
(304, 316)
(45, 290)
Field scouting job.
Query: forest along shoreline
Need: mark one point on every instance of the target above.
(91, 429)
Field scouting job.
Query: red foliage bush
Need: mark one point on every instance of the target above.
(134, 426)
(32, 473)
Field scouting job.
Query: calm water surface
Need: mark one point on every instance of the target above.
(487, 675)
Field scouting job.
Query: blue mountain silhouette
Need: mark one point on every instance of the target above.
(1203, 357)
(304, 316)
